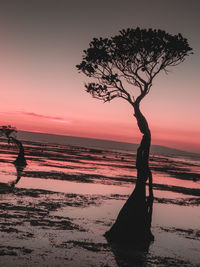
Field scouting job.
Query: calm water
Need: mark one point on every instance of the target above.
(87, 171)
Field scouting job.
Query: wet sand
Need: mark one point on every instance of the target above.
(68, 197)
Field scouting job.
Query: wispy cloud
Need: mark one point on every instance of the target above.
(58, 119)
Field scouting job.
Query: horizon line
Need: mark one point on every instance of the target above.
(108, 140)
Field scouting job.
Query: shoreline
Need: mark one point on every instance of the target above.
(42, 227)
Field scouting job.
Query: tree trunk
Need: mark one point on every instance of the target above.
(133, 224)
(20, 160)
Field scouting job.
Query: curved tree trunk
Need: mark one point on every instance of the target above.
(20, 160)
(133, 224)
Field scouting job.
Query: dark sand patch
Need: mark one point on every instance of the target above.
(188, 233)
(179, 201)
(95, 247)
(13, 251)
(166, 261)
(178, 189)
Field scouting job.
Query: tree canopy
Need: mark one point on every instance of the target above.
(134, 56)
(7, 130)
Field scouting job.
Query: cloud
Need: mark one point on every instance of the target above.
(32, 114)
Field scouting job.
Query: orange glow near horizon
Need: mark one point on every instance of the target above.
(42, 91)
(122, 132)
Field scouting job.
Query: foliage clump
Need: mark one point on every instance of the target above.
(134, 56)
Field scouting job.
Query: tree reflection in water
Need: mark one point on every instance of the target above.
(132, 251)
(19, 172)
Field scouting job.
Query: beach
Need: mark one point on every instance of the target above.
(69, 196)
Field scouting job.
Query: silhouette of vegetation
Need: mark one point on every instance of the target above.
(124, 66)
(10, 133)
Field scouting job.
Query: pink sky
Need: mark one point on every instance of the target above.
(42, 91)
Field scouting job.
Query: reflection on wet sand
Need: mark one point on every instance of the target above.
(131, 251)
(62, 203)
(129, 256)
(19, 172)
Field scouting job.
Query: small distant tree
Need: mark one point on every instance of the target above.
(7, 131)
(10, 133)
(124, 66)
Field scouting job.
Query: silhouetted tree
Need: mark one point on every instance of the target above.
(124, 66)
(10, 133)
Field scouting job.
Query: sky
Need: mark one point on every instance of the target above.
(42, 91)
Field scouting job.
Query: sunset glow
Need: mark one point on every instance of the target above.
(41, 90)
